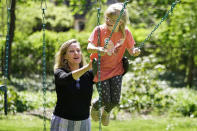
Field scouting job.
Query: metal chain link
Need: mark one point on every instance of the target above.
(8, 4)
(44, 7)
(99, 64)
(163, 19)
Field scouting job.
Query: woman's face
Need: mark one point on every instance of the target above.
(73, 55)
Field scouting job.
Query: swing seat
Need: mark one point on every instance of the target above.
(125, 65)
(2, 87)
(124, 61)
(94, 66)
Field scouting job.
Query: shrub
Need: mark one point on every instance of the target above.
(142, 91)
(29, 17)
(14, 102)
(25, 101)
(185, 102)
(27, 53)
(35, 99)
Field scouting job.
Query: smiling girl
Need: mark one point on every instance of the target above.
(111, 69)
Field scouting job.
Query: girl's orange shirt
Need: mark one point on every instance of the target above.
(110, 65)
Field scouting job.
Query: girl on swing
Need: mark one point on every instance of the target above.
(111, 68)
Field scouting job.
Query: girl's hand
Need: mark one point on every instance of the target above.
(117, 48)
(136, 51)
(110, 48)
(102, 51)
(118, 45)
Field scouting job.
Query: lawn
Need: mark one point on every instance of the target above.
(22, 122)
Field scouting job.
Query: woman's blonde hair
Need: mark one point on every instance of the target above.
(113, 12)
(60, 62)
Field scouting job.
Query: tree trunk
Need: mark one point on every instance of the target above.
(67, 2)
(11, 34)
(191, 64)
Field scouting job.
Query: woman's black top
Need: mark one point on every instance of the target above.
(73, 102)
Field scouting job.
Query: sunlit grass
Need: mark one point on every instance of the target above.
(22, 122)
(153, 124)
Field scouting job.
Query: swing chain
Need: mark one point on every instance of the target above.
(43, 5)
(7, 37)
(98, 64)
(44, 62)
(162, 20)
(8, 4)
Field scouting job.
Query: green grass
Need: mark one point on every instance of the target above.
(22, 122)
(154, 124)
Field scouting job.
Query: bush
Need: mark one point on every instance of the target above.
(32, 98)
(185, 102)
(142, 91)
(58, 18)
(25, 101)
(35, 100)
(27, 53)
(14, 102)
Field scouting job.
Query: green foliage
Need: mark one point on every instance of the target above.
(185, 102)
(29, 17)
(3, 19)
(11, 99)
(25, 101)
(23, 104)
(82, 6)
(92, 18)
(142, 89)
(147, 12)
(179, 39)
(14, 102)
(172, 44)
(145, 93)
(34, 100)
(59, 18)
(32, 83)
(26, 94)
(27, 52)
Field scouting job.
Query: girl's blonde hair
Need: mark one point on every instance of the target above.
(113, 12)
(60, 62)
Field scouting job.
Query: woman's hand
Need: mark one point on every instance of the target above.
(90, 65)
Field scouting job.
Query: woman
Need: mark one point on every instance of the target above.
(74, 87)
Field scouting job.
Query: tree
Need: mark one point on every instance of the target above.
(181, 33)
